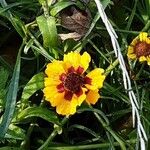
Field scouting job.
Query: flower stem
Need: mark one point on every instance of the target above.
(119, 30)
(111, 67)
(52, 135)
(140, 71)
(25, 144)
(40, 49)
(118, 139)
(89, 146)
(146, 27)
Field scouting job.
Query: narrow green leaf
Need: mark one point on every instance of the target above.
(15, 21)
(48, 30)
(12, 5)
(105, 3)
(36, 83)
(4, 77)
(10, 148)
(53, 31)
(39, 48)
(60, 6)
(18, 25)
(3, 82)
(15, 132)
(3, 13)
(39, 112)
(11, 96)
(29, 44)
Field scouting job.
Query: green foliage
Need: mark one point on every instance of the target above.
(43, 113)
(8, 148)
(36, 83)
(14, 132)
(4, 74)
(27, 121)
(11, 98)
(60, 6)
(48, 29)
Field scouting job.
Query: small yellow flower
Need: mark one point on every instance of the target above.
(140, 48)
(67, 85)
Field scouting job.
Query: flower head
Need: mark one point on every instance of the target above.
(67, 85)
(140, 48)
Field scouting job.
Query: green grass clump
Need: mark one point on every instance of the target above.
(31, 36)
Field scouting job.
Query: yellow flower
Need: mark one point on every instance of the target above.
(67, 85)
(140, 48)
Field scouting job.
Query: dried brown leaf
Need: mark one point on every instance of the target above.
(74, 19)
(73, 35)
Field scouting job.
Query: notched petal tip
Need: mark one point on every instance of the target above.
(85, 60)
(76, 60)
(97, 78)
(55, 69)
(143, 36)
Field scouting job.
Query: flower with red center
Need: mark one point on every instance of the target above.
(67, 85)
(140, 48)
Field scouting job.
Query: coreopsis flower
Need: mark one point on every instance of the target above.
(67, 84)
(140, 48)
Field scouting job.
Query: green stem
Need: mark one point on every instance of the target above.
(96, 48)
(40, 49)
(146, 27)
(90, 146)
(119, 30)
(46, 9)
(25, 144)
(52, 135)
(111, 67)
(140, 71)
(131, 16)
(118, 139)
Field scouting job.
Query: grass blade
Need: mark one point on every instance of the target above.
(11, 97)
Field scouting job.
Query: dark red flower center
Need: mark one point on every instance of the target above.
(142, 49)
(73, 82)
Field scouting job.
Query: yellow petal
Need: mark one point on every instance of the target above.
(143, 36)
(148, 60)
(130, 49)
(81, 98)
(92, 97)
(130, 53)
(57, 99)
(51, 94)
(50, 82)
(131, 56)
(85, 60)
(97, 79)
(148, 40)
(72, 58)
(55, 69)
(134, 41)
(142, 58)
(67, 107)
(75, 59)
